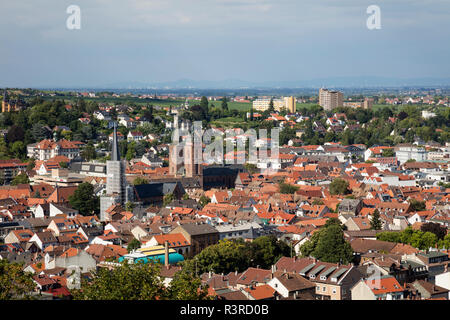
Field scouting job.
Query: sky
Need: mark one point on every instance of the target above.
(124, 41)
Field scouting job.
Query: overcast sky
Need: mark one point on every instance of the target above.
(252, 40)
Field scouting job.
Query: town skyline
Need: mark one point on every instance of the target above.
(162, 41)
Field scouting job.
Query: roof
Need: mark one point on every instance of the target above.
(198, 229)
(173, 239)
(254, 275)
(384, 285)
(365, 245)
(261, 292)
(293, 281)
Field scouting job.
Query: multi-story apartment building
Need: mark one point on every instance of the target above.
(287, 103)
(47, 149)
(330, 99)
(404, 152)
(10, 168)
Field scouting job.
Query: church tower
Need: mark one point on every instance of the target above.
(185, 156)
(116, 185)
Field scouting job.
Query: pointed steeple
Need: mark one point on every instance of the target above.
(115, 155)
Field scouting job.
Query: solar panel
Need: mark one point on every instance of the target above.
(339, 273)
(317, 270)
(328, 272)
(307, 268)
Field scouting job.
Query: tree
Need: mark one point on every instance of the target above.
(129, 206)
(286, 188)
(168, 198)
(39, 132)
(224, 104)
(185, 196)
(84, 200)
(375, 223)
(223, 257)
(133, 245)
(89, 152)
(267, 250)
(251, 168)
(435, 228)
(328, 244)
(186, 286)
(339, 186)
(204, 105)
(417, 205)
(21, 178)
(139, 181)
(271, 108)
(18, 150)
(204, 200)
(388, 153)
(14, 282)
(15, 133)
(125, 282)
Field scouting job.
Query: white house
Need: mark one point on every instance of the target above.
(384, 288)
(443, 280)
(81, 259)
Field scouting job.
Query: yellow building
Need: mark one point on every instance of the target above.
(7, 105)
(287, 103)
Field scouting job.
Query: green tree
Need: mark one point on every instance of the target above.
(14, 282)
(339, 186)
(129, 206)
(286, 188)
(84, 200)
(271, 108)
(18, 150)
(21, 178)
(328, 244)
(251, 168)
(168, 198)
(186, 286)
(133, 245)
(417, 205)
(15, 133)
(224, 104)
(375, 223)
(204, 105)
(388, 153)
(125, 282)
(204, 200)
(267, 250)
(185, 196)
(139, 181)
(89, 152)
(224, 257)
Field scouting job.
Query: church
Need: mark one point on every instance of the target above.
(9, 105)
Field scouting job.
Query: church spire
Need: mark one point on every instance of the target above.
(115, 156)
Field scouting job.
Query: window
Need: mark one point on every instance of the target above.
(324, 289)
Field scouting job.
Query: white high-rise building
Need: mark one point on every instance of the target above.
(330, 99)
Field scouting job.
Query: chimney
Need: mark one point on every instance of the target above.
(166, 253)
